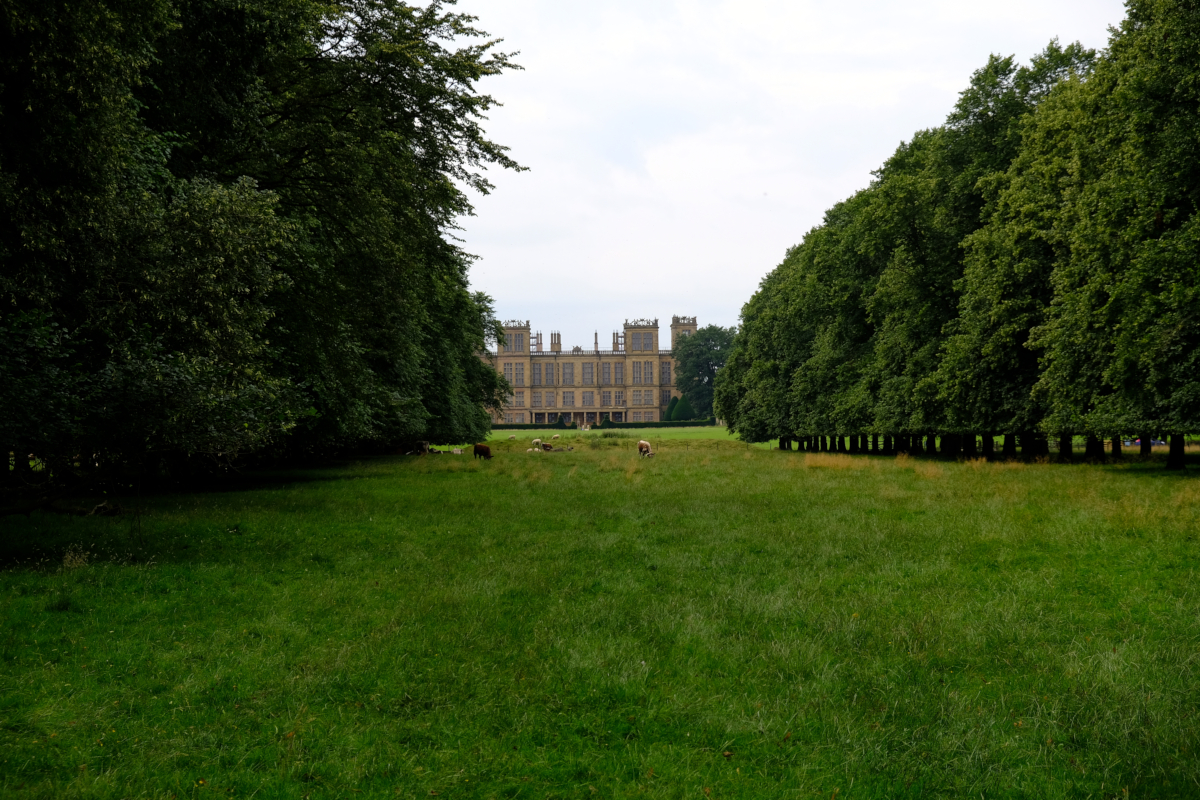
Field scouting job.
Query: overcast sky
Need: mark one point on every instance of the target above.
(677, 149)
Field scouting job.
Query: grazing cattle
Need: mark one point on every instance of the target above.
(555, 436)
(483, 451)
(547, 448)
(513, 436)
(644, 449)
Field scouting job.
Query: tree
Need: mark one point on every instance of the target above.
(698, 359)
(671, 408)
(683, 410)
(228, 228)
(988, 367)
(1122, 337)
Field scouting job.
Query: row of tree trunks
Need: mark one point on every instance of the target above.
(954, 444)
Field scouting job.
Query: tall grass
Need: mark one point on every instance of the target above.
(719, 621)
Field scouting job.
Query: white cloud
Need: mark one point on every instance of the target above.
(677, 149)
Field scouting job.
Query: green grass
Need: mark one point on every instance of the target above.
(719, 621)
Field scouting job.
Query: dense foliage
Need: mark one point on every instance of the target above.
(228, 229)
(1026, 269)
(698, 358)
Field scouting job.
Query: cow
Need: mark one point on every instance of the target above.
(644, 449)
(547, 447)
(483, 451)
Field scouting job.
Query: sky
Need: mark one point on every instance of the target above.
(677, 149)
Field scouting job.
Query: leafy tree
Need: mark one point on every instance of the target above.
(228, 228)
(683, 410)
(368, 129)
(698, 358)
(988, 368)
(671, 408)
(1122, 337)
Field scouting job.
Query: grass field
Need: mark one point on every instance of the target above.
(719, 621)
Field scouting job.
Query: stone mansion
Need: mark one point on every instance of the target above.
(632, 382)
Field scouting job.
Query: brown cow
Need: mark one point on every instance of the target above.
(644, 448)
(483, 451)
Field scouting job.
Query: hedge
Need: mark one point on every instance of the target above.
(537, 426)
(688, 423)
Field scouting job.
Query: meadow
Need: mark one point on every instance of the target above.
(718, 621)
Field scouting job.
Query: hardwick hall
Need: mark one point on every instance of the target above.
(632, 382)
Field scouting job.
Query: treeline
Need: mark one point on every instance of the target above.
(1029, 269)
(227, 230)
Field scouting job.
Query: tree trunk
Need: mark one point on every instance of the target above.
(931, 445)
(952, 445)
(1094, 449)
(1116, 447)
(1034, 445)
(970, 448)
(1175, 458)
(989, 446)
(1010, 446)
(1147, 448)
(1065, 446)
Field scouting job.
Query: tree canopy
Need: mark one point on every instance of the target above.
(698, 359)
(1025, 269)
(229, 229)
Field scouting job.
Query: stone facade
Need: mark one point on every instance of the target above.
(633, 381)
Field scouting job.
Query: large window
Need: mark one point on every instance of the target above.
(508, 343)
(568, 399)
(549, 399)
(637, 416)
(637, 397)
(568, 374)
(648, 372)
(636, 343)
(520, 375)
(536, 400)
(637, 372)
(588, 370)
(535, 378)
(520, 399)
(606, 398)
(589, 398)
(619, 374)
(648, 416)
(538, 418)
(618, 398)
(520, 342)
(508, 371)
(606, 374)
(666, 397)
(666, 373)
